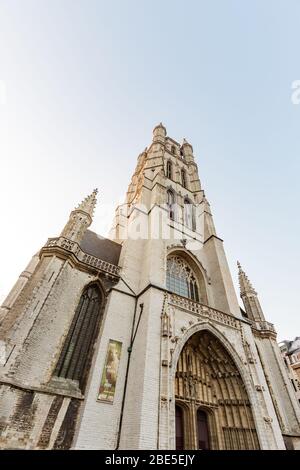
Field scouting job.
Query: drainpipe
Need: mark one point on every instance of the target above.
(129, 350)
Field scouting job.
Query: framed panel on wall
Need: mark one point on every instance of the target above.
(110, 372)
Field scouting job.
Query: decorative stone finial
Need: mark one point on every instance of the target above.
(245, 285)
(249, 297)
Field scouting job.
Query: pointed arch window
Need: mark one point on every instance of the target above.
(181, 279)
(169, 169)
(183, 178)
(77, 349)
(189, 214)
(171, 204)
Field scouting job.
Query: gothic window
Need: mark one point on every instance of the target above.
(181, 279)
(77, 349)
(169, 169)
(183, 178)
(173, 150)
(189, 214)
(171, 204)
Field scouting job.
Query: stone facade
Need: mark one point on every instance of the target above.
(186, 345)
(290, 351)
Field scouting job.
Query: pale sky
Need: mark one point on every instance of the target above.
(83, 83)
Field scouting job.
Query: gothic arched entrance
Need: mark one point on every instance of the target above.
(212, 406)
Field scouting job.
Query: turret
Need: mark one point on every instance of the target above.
(80, 218)
(187, 151)
(159, 133)
(249, 297)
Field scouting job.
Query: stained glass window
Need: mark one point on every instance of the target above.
(181, 279)
(77, 349)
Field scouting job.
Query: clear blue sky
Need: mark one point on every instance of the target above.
(86, 81)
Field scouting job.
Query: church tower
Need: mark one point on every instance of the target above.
(138, 341)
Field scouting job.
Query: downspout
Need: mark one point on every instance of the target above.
(129, 350)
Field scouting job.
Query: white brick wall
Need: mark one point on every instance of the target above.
(99, 421)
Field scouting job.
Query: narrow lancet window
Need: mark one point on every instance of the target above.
(77, 349)
(169, 170)
(171, 204)
(188, 213)
(183, 178)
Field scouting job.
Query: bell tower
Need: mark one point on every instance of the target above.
(174, 261)
(165, 207)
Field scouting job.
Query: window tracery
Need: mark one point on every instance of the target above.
(77, 348)
(181, 279)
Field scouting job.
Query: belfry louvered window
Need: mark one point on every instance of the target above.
(183, 178)
(181, 279)
(169, 169)
(171, 204)
(189, 214)
(77, 349)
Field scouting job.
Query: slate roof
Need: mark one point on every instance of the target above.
(101, 247)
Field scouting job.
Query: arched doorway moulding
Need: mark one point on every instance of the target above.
(249, 386)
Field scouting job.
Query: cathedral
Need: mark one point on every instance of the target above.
(138, 341)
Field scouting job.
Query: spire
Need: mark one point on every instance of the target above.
(245, 285)
(89, 203)
(209, 226)
(80, 218)
(249, 297)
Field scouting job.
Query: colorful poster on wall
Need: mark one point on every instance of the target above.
(110, 372)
